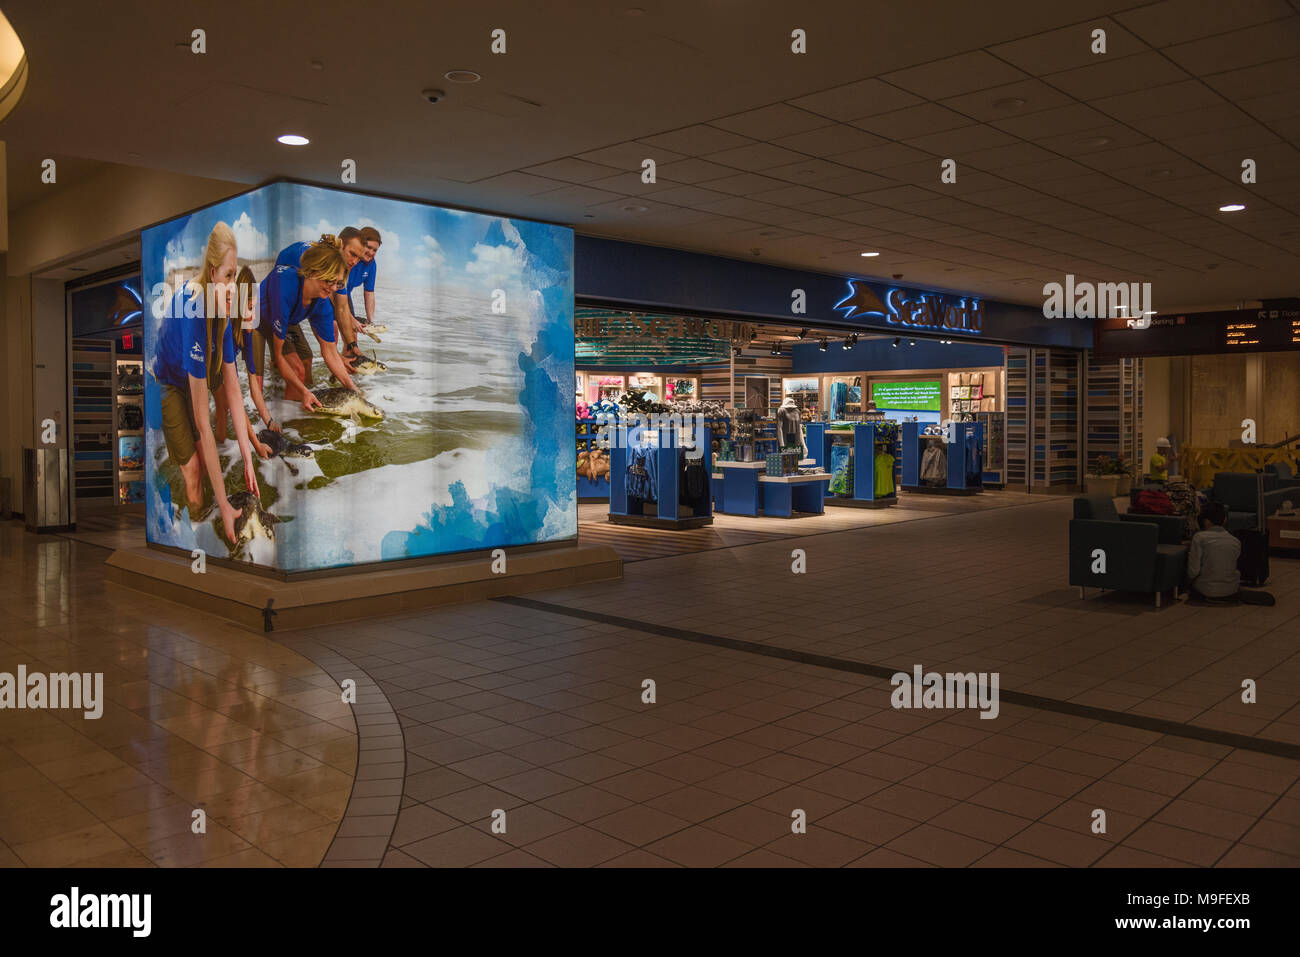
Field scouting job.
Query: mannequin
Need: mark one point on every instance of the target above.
(789, 427)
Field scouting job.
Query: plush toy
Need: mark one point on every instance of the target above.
(584, 412)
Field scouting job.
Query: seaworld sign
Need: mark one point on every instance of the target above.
(912, 309)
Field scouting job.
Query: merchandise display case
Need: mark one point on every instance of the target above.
(652, 384)
(864, 462)
(681, 389)
(94, 419)
(970, 393)
(600, 386)
(842, 397)
(950, 464)
(806, 392)
(128, 418)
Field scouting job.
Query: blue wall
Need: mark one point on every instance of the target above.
(673, 280)
(878, 355)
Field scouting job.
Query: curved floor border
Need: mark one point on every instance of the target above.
(371, 814)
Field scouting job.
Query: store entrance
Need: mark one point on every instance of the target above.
(105, 379)
(869, 406)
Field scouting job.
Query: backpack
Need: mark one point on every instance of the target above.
(1152, 502)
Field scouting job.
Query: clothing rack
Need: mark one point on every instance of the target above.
(867, 441)
(958, 465)
(663, 497)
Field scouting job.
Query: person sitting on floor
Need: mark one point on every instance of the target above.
(1212, 563)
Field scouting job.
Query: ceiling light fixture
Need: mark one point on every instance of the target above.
(632, 208)
(735, 351)
(1232, 208)
(1095, 141)
(895, 342)
(1008, 103)
(292, 139)
(871, 254)
(803, 333)
(911, 342)
(822, 345)
(462, 76)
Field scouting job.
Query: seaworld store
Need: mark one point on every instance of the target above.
(870, 371)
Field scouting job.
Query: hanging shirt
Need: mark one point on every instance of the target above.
(884, 475)
(280, 299)
(183, 341)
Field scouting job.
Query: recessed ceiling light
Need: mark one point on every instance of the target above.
(588, 215)
(1092, 141)
(1162, 172)
(631, 208)
(634, 12)
(292, 139)
(317, 65)
(1008, 103)
(1232, 208)
(871, 254)
(462, 76)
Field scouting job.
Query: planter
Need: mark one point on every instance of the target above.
(1103, 485)
(1125, 483)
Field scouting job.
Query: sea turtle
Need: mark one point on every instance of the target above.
(346, 404)
(253, 521)
(285, 449)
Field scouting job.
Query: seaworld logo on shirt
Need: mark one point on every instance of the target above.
(196, 352)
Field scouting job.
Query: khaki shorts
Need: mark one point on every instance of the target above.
(178, 423)
(295, 340)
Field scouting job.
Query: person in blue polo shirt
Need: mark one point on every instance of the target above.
(195, 358)
(250, 345)
(349, 241)
(287, 297)
(362, 274)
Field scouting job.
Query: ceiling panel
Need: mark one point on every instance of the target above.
(953, 76)
(1068, 47)
(854, 100)
(1177, 21)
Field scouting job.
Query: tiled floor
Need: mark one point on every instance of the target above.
(530, 714)
(198, 715)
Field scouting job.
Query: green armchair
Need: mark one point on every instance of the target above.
(1142, 553)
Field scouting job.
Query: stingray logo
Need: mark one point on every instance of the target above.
(861, 301)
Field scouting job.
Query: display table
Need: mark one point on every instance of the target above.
(1284, 532)
(786, 494)
(740, 487)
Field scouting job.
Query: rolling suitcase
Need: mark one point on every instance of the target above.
(1253, 562)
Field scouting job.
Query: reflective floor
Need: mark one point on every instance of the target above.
(517, 732)
(198, 715)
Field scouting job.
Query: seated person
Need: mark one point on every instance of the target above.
(1212, 563)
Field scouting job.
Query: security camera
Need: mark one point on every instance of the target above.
(433, 96)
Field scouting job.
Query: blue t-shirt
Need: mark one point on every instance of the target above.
(291, 255)
(183, 341)
(362, 274)
(280, 300)
(244, 347)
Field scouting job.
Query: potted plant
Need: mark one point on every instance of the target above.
(1124, 472)
(1103, 477)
